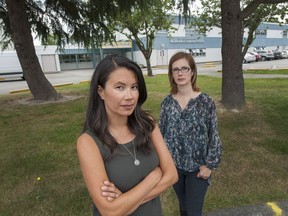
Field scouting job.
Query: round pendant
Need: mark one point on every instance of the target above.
(136, 162)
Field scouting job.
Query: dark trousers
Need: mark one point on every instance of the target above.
(190, 191)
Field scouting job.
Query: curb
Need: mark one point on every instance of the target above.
(19, 91)
(208, 64)
(63, 84)
(27, 89)
(84, 81)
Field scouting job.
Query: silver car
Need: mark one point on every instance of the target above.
(266, 55)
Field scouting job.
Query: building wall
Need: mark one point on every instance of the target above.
(77, 58)
(208, 48)
(9, 62)
(214, 32)
(274, 34)
(47, 56)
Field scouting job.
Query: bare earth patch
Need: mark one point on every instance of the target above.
(31, 101)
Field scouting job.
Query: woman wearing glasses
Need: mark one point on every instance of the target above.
(189, 125)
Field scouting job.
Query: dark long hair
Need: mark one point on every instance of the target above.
(192, 64)
(140, 123)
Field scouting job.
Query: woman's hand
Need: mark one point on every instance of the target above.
(109, 191)
(204, 172)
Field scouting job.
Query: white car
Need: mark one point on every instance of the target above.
(284, 53)
(256, 55)
(249, 58)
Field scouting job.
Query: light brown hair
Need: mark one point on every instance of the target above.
(192, 65)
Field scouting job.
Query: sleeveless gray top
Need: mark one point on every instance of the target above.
(122, 171)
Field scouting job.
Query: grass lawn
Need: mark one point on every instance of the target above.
(262, 71)
(40, 172)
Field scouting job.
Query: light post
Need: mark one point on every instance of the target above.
(162, 52)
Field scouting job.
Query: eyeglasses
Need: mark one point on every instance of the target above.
(183, 69)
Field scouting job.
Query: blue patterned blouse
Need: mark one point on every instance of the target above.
(191, 133)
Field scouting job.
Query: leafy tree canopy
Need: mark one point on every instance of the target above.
(209, 15)
(142, 25)
(83, 22)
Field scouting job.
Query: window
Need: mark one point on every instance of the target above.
(67, 58)
(259, 48)
(197, 52)
(261, 32)
(190, 32)
(285, 33)
(85, 57)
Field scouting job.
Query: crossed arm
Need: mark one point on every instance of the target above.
(94, 174)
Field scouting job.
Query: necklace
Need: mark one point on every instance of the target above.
(136, 161)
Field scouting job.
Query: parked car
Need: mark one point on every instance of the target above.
(258, 57)
(277, 54)
(265, 55)
(249, 58)
(284, 53)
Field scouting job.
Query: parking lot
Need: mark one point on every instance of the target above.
(271, 64)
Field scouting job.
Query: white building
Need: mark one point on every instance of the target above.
(270, 36)
(47, 56)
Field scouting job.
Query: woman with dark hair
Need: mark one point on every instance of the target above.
(123, 157)
(188, 123)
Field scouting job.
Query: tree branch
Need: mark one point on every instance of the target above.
(254, 4)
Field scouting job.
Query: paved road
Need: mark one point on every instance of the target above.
(209, 69)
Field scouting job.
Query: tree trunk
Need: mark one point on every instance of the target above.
(149, 69)
(233, 95)
(38, 84)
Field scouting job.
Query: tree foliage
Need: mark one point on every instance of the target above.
(143, 23)
(263, 13)
(83, 22)
(210, 16)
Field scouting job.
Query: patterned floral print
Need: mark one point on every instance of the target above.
(191, 133)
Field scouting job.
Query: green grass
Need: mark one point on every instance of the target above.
(39, 141)
(262, 71)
